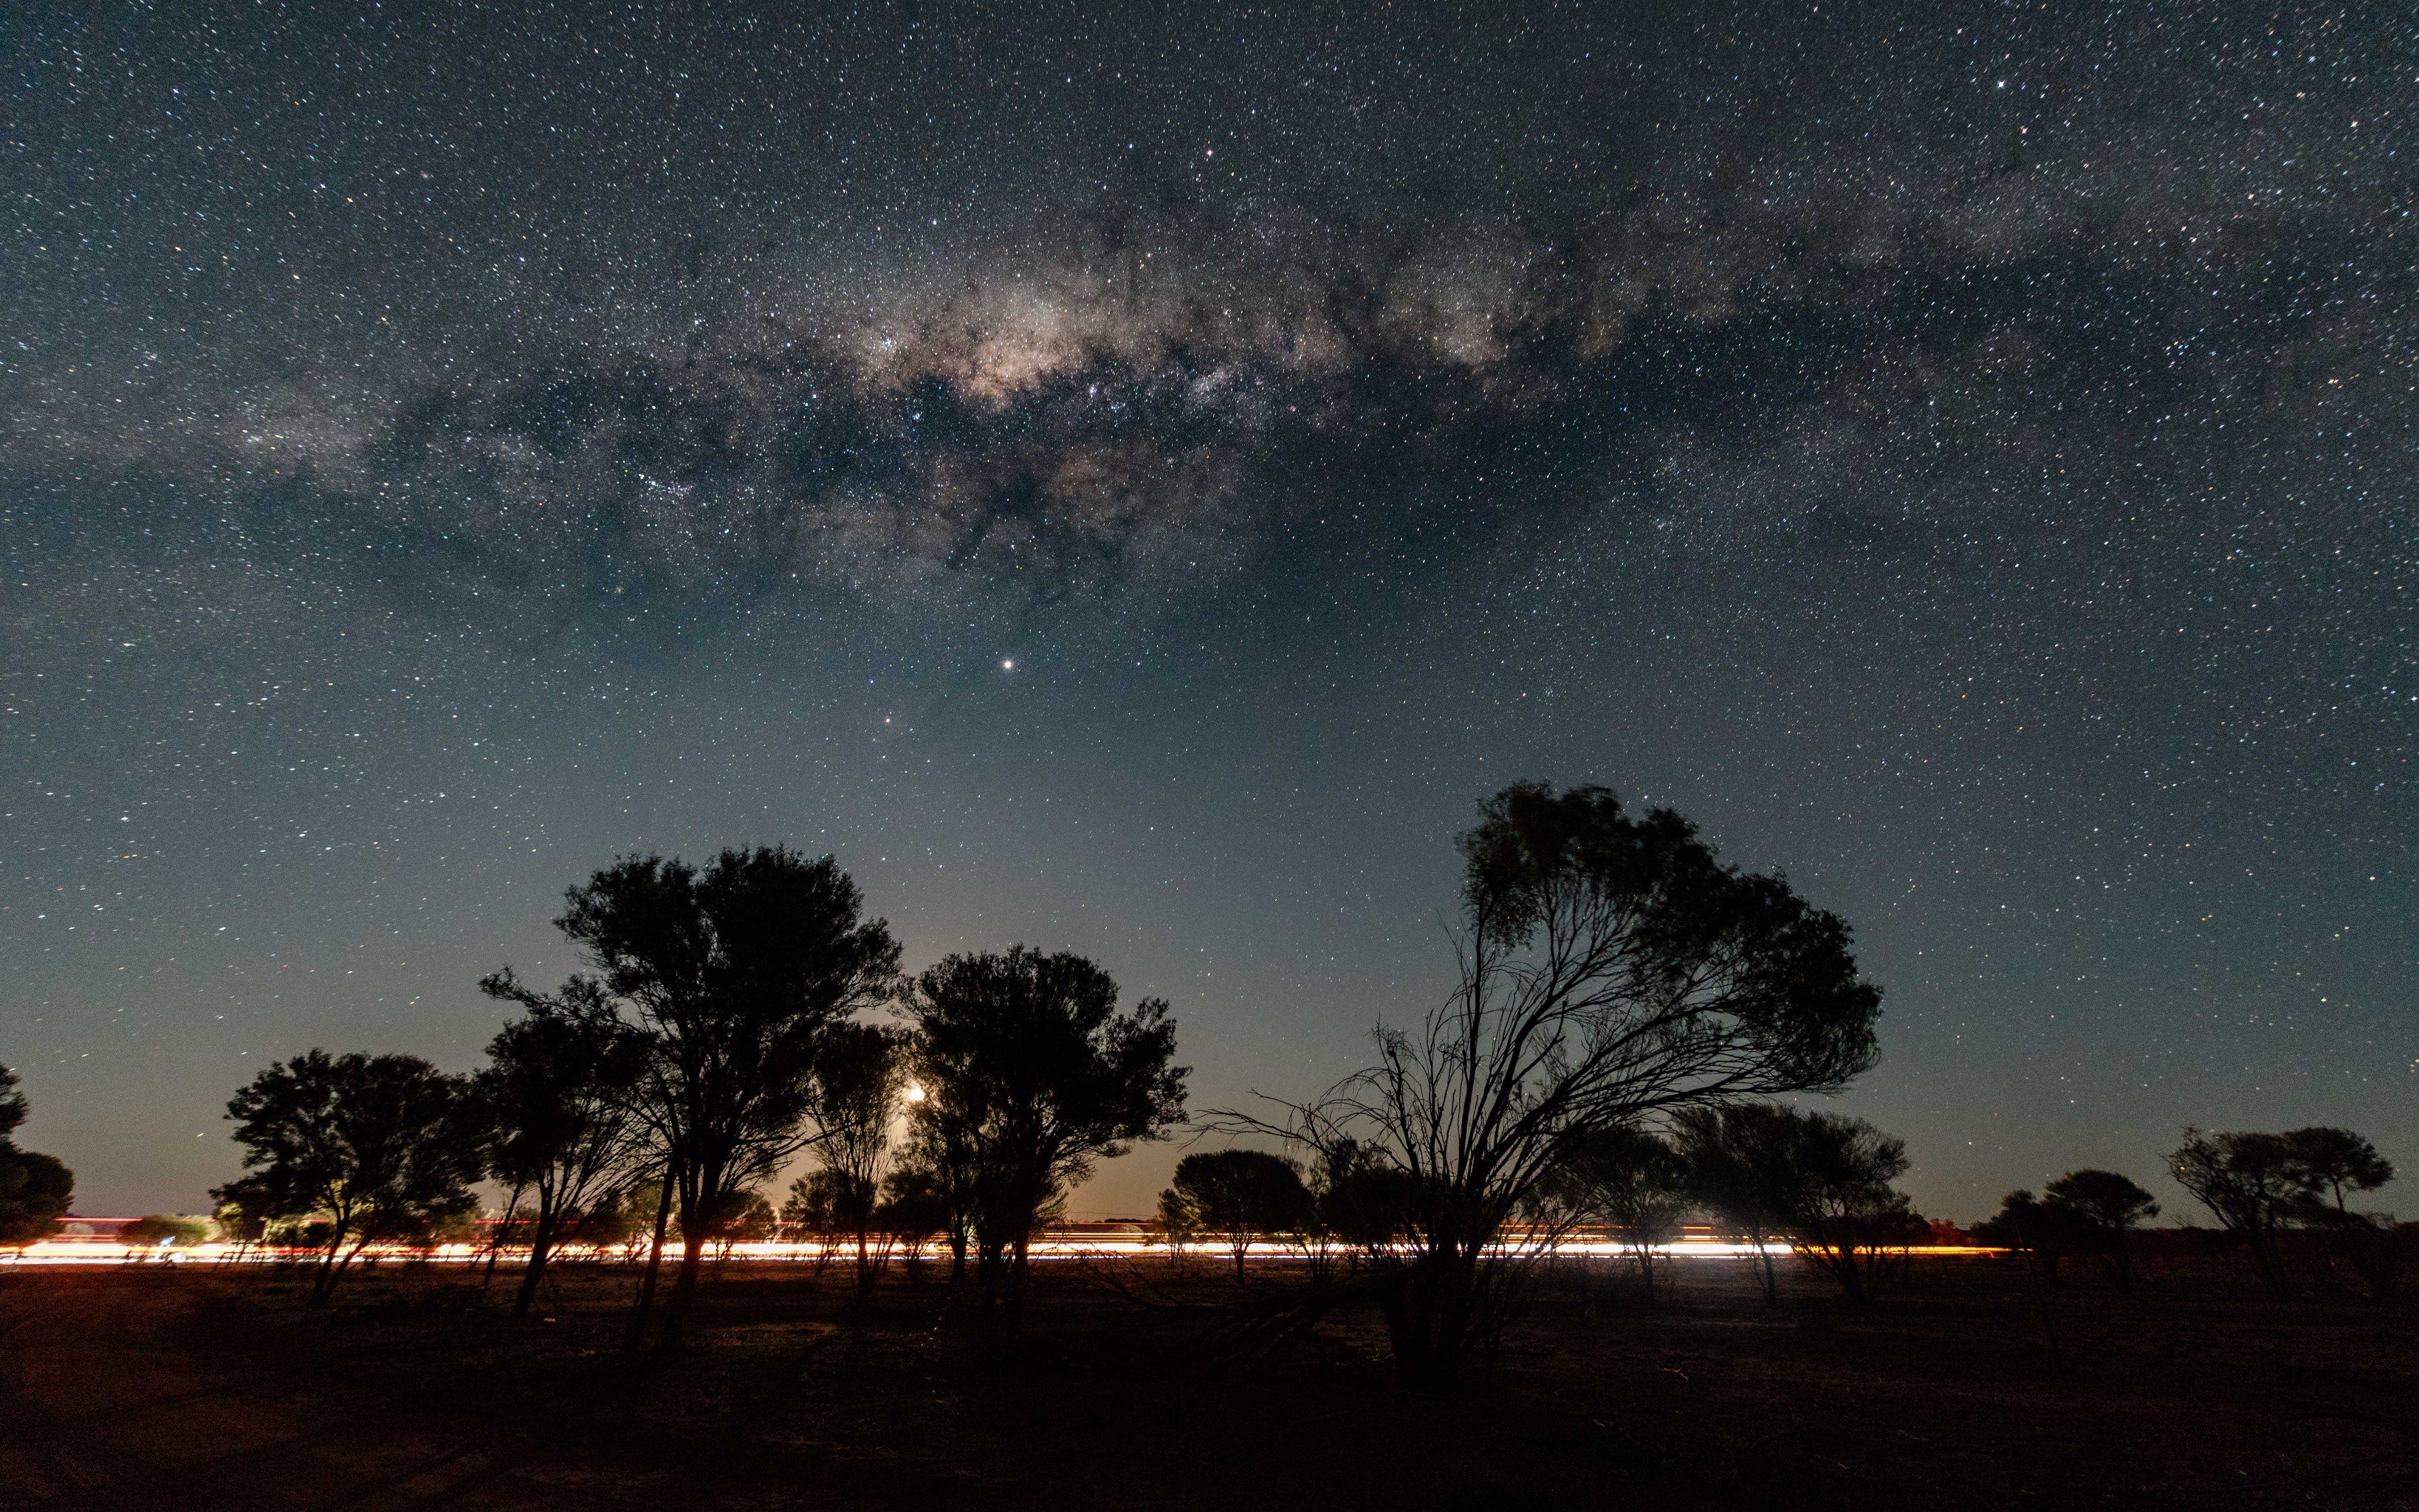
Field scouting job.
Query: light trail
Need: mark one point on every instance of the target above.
(89, 1252)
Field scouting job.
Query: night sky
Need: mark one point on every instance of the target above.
(1135, 482)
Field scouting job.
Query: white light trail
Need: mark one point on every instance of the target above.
(86, 1252)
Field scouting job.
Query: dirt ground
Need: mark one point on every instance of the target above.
(203, 1387)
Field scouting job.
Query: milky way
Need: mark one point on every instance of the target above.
(1963, 456)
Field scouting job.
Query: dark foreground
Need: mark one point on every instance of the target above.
(202, 1388)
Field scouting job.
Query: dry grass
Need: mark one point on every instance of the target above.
(1126, 1388)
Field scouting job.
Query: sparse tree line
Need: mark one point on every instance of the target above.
(1627, 1015)
(2262, 1186)
(2271, 1194)
(1785, 1180)
(717, 1033)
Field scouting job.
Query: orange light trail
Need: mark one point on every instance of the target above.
(87, 1252)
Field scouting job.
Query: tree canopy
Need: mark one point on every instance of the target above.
(380, 1146)
(730, 976)
(1613, 972)
(1030, 1075)
(1238, 1194)
(35, 1188)
(559, 1088)
(2256, 1185)
(1835, 1176)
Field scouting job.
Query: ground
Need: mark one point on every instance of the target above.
(207, 1387)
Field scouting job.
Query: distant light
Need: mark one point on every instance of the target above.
(914, 1094)
(1007, 664)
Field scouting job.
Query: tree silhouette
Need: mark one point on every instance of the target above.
(1612, 971)
(1174, 1225)
(1356, 1208)
(560, 1085)
(1239, 1195)
(35, 1189)
(816, 1206)
(2044, 1233)
(912, 1210)
(860, 1084)
(729, 977)
(745, 1218)
(1635, 1183)
(1031, 1074)
(377, 1147)
(1737, 1163)
(622, 1221)
(2107, 1208)
(13, 1104)
(2338, 1163)
(941, 1150)
(241, 1210)
(2254, 1184)
(1835, 1176)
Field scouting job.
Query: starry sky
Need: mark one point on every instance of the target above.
(1132, 479)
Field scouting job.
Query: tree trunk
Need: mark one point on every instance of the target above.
(1430, 1314)
(637, 1338)
(2268, 1259)
(989, 1268)
(1851, 1275)
(503, 1229)
(865, 1273)
(541, 1245)
(684, 1288)
(329, 1273)
(2040, 1304)
(325, 1281)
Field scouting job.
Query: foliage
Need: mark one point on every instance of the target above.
(2337, 1163)
(818, 1205)
(1239, 1195)
(729, 978)
(861, 1083)
(1613, 971)
(2256, 1185)
(745, 1218)
(379, 1146)
(1635, 1183)
(559, 1088)
(2044, 1233)
(13, 1105)
(2107, 1208)
(1030, 1075)
(623, 1220)
(35, 1189)
(912, 1210)
(1833, 1177)
(241, 1210)
(2340, 1163)
(162, 1230)
(1732, 1154)
(1173, 1225)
